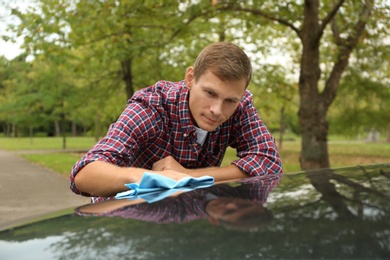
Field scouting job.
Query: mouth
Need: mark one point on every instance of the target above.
(210, 120)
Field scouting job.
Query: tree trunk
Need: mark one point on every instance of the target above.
(97, 126)
(314, 105)
(388, 134)
(74, 129)
(281, 128)
(63, 127)
(8, 130)
(57, 128)
(31, 133)
(14, 130)
(314, 132)
(312, 113)
(128, 77)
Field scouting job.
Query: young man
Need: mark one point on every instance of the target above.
(181, 129)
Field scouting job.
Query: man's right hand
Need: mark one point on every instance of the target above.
(104, 179)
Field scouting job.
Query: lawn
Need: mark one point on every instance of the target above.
(45, 143)
(341, 153)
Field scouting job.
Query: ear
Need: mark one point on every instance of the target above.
(189, 77)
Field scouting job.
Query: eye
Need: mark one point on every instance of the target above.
(231, 101)
(210, 93)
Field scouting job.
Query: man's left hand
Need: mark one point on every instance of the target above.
(168, 163)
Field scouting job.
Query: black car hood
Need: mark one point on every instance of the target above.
(325, 214)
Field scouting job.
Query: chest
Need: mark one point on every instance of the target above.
(186, 150)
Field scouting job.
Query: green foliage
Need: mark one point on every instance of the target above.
(363, 104)
(83, 58)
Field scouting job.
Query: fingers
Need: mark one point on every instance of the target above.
(167, 163)
(159, 165)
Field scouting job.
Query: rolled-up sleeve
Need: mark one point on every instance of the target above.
(257, 151)
(122, 142)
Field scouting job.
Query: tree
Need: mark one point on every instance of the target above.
(13, 110)
(363, 104)
(122, 36)
(5, 76)
(113, 46)
(313, 22)
(363, 101)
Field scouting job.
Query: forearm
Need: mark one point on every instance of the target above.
(230, 172)
(104, 179)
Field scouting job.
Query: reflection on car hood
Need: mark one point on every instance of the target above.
(324, 214)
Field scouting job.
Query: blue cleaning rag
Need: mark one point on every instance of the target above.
(154, 187)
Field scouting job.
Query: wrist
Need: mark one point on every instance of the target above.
(192, 172)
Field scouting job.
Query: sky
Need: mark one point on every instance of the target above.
(8, 49)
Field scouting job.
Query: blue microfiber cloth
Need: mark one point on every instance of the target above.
(154, 187)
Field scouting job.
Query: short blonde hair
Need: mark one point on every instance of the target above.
(226, 60)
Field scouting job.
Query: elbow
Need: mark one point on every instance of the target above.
(81, 183)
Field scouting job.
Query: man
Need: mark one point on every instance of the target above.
(181, 129)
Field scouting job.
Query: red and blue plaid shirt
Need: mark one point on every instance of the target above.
(157, 123)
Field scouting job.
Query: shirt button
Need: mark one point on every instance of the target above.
(185, 135)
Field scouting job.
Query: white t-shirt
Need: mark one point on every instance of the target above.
(201, 135)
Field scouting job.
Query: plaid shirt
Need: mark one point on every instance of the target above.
(157, 123)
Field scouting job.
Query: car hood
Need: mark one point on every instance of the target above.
(339, 213)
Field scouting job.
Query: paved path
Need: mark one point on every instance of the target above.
(29, 190)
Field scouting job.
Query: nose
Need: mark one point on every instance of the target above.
(216, 108)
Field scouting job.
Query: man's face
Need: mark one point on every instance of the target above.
(212, 101)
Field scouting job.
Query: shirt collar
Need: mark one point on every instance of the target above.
(184, 111)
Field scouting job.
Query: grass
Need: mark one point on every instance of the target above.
(55, 158)
(58, 162)
(45, 143)
(341, 153)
